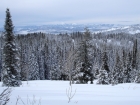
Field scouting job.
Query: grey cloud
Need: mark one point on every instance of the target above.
(47, 11)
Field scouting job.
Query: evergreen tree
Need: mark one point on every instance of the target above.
(104, 71)
(104, 61)
(124, 58)
(84, 65)
(11, 72)
(134, 60)
(127, 77)
(137, 78)
(41, 65)
(23, 62)
(55, 73)
(117, 76)
(46, 54)
(34, 68)
(96, 72)
(103, 77)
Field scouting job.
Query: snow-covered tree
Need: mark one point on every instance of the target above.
(84, 66)
(69, 64)
(105, 61)
(96, 72)
(103, 77)
(127, 77)
(134, 59)
(41, 65)
(137, 78)
(11, 72)
(33, 73)
(55, 67)
(117, 76)
(46, 61)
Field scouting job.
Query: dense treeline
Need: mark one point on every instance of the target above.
(79, 57)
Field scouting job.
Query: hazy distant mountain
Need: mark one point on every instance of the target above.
(132, 29)
(69, 28)
(63, 28)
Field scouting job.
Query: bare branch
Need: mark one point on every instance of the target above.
(69, 93)
(5, 96)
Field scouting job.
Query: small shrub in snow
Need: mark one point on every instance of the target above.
(28, 102)
(70, 94)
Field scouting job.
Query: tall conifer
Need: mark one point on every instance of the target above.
(11, 72)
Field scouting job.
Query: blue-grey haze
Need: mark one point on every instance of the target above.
(42, 12)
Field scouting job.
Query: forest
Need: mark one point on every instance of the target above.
(84, 52)
(79, 57)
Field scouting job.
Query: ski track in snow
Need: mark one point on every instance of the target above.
(54, 93)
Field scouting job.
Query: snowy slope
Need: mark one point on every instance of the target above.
(132, 29)
(54, 93)
(62, 28)
(69, 28)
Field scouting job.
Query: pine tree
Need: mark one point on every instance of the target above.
(96, 72)
(134, 60)
(103, 77)
(128, 70)
(34, 68)
(11, 72)
(84, 65)
(24, 63)
(137, 78)
(55, 73)
(124, 58)
(104, 61)
(46, 56)
(117, 76)
(41, 65)
(104, 71)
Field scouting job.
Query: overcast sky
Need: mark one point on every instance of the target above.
(42, 12)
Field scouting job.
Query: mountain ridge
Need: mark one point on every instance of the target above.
(69, 28)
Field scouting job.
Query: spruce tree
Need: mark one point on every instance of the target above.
(104, 71)
(134, 59)
(137, 78)
(96, 72)
(103, 77)
(34, 68)
(11, 72)
(84, 65)
(104, 61)
(128, 71)
(117, 76)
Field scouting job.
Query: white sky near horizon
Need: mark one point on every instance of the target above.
(43, 12)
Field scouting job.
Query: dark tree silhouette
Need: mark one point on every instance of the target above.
(11, 72)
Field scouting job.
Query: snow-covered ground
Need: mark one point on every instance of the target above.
(54, 93)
